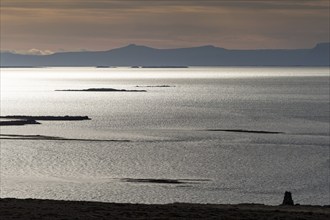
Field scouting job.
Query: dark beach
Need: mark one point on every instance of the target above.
(54, 209)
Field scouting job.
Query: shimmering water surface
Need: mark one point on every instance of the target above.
(167, 129)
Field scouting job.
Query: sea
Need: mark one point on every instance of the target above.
(197, 135)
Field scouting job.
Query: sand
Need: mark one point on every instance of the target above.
(53, 209)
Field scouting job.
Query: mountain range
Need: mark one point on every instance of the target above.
(135, 55)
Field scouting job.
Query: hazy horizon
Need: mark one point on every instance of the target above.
(43, 27)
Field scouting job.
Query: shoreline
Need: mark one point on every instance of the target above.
(11, 208)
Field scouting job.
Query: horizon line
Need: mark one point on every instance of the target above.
(37, 52)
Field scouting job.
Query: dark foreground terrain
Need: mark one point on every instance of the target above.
(51, 209)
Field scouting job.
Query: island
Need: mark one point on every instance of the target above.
(103, 66)
(18, 122)
(156, 86)
(246, 131)
(100, 90)
(53, 138)
(161, 67)
(47, 118)
(163, 181)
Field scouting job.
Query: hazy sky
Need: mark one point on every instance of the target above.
(57, 25)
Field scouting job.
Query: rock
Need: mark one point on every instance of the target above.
(287, 199)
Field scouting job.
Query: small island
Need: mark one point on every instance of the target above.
(171, 67)
(164, 181)
(18, 122)
(54, 138)
(100, 90)
(46, 118)
(246, 131)
(103, 66)
(155, 86)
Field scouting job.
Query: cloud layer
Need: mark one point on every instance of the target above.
(101, 24)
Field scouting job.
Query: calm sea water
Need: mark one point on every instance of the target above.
(167, 129)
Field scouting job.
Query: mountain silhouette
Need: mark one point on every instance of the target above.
(135, 55)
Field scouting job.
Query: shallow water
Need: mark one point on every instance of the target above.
(168, 132)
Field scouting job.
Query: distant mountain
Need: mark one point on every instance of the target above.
(134, 55)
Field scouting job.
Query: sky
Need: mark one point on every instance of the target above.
(46, 26)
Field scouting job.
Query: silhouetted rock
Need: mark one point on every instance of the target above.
(287, 199)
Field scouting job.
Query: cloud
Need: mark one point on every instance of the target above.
(31, 52)
(39, 52)
(129, 4)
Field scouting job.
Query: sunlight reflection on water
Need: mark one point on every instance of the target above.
(166, 127)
